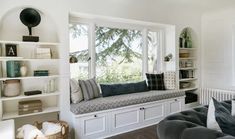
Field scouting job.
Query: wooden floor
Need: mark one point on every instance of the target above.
(144, 133)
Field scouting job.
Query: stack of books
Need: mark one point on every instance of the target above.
(30, 106)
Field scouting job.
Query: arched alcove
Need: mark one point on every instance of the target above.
(12, 29)
(188, 34)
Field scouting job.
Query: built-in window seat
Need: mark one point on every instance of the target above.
(105, 103)
(107, 116)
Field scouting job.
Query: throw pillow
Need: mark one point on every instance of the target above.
(90, 89)
(75, 91)
(224, 118)
(211, 120)
(155, 81)
(119, 89)
(170, 80)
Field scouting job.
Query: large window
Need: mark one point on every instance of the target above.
(113, 54)
(118, 55)
(79, 50)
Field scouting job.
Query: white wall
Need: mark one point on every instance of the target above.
(218, 31)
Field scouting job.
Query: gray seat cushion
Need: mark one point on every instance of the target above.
(104, 103)
(190, 124)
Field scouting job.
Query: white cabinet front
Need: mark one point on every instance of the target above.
(125, 119)
(175, 106)
(94, 125)
(153, 112)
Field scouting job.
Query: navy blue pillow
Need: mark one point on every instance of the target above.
(119, 89)
(224, 118)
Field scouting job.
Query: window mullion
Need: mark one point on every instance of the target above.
(92, 61)
(145, 52)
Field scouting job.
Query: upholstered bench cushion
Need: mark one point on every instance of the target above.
(104, 103)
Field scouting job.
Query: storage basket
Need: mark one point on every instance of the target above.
(61, 135)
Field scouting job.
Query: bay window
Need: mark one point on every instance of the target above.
(113, 54)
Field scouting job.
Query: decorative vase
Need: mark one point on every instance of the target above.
(13, 68)
(11, 88)
(23, 70)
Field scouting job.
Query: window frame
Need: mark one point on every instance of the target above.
(144, 27)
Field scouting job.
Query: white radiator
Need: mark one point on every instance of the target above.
(219, 94)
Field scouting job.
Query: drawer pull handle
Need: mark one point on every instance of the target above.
(141, 108)
(95, 115)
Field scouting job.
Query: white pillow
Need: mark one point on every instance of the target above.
(233, 108)
(211, 121)
(76, 92)
(170, 80)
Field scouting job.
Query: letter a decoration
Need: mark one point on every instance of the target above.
(11, 50)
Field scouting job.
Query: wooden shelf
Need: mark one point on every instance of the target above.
(30, 77)
(32, 96)
(26, 59)
(187, 49)
(188, 68)
(189, 58)
(29, 43)
(187, 79)
(10, 115)
(189, 89)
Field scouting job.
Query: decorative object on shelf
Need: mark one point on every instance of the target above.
(184, 85)
(184, 54)
(168, 57)
(13, 69)
(52, 85)
(34, 92)
(73, 59)
(41, 73)
(29, 106)
(11, 88)
(43, 53)
(30, 18)
(186, 64)
(11, 50)
(23, 70)
(185, 38)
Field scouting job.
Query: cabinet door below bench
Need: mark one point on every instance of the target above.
(175, 105)
(93, 126)
(126, 119)
(153, 113)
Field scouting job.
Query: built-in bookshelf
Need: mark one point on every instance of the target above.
(26, 55)
(188, 62)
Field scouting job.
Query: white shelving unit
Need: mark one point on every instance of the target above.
(188, 66)
(50, 101)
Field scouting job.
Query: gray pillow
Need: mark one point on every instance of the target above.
(75, 91)
(223, 117)
(90, 89)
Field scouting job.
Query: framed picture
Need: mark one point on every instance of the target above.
(11, 49)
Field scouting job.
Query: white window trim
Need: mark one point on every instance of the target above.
(144, 27)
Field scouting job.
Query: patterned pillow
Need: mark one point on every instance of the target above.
(90, 89)
(170, 80)
(155, 81)
(75, 91)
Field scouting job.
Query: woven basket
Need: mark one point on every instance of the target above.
(61, 135)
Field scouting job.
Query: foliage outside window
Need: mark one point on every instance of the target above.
(119, 53)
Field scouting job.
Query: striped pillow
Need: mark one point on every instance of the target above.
(89, 89)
